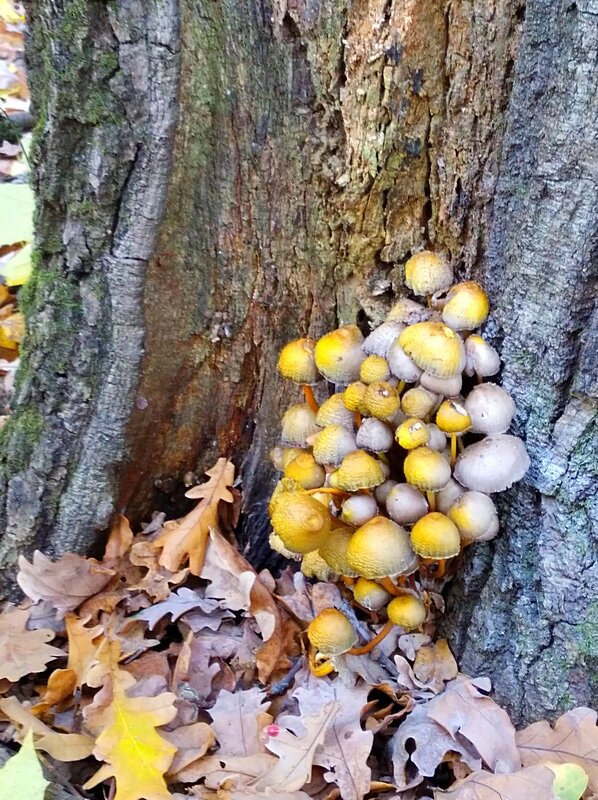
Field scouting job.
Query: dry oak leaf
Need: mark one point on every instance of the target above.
(531, 783)
(83, 645)
(127, 739)
(61, 746)
(229, 771)
(429, 746)
(296, 745)
(66, 583)
(61, 684)
(176, 605)
(346, 746)
(574, 738)
(187, 538)
(23, 651)
(238, 719)
(192, 743)
(435, 664)
(462, 710)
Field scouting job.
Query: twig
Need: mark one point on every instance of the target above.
(280, 687)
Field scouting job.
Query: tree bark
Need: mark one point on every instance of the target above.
(216, 178)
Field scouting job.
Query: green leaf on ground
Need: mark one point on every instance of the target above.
(17, 271)
(16, 213)
(21, 778)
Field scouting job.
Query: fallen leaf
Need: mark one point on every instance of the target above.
(531, 783)
(232, 771)
(238, 720)
(186, 539)
(570, 780)
(462, 709)
(66, 583)
(435, 664)
(61, 746)
(192, 743)
(127, 739)
(410, 643)
(295, 745)
(176, 605)
(23, 651)
(21, 778)
(61, 684)
(83, 645)
(16, 213)
(429, 744)
(574, 738)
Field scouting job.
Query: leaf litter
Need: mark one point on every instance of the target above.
(156, 673)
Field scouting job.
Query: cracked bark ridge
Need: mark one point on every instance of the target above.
(104, 90)
(525, 610)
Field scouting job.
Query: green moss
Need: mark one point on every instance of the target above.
(587, 633)
(18, 439)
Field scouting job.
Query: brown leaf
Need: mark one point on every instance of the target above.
(531, 783)
(23, 651)
(429, 745)
(66, 583)
(435, 664)
(176, 605)
(233, 771)
(462, 709)
(61, 684)
(238, 720)
(192, 743)
(119, 540)
(574, 738)
(83, 644)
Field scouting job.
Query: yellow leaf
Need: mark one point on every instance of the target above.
(187, 538)
(12, 329)
(21, 778)
(83, 645)
(18, 270)
(136, 755)
(8, 13)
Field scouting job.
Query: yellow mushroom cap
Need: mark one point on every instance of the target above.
(426, 469)
(334, 550)
(370, 594)
(298, 424)
(314, 566)
(359, 470)
(374, 368)
(452, 417)
(331, 633)
(333, 411)
(407, 612)
(380, 549)
(339, 354)
(275, 543)
(381, 400)
(296, 361)
(302, 523)
(418, 402)
(475, 515)
(412, 433)
(427, 272)
(435, 536)
(304, 469)
(435, 348)
(332, 444)
(466, 306)
(353, 396)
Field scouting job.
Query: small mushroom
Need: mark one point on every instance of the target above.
(381, 400)
(447, 496)
(334, 551)
(302, 523)
(452, 418)
(475, 515)
(491, 409)
(492, 465)
(406, 504)
(334, 412)
(435, 348)
(381, 492)
(358, 509)
(428, 471)
(466, 306)
(436, 537)
(405, 611)
(427, 272)
(358, 470)
(330, 634)
(447, 387)
(374, 435)
(401, 366)
(306, 471)
(408, 312)
(380, 549)
(374, 368)
(338, 354)
(418, 402)
(332, 444)
(370, 594)
(381, 338)
(314, 566)
(437, 440)
(481, 358)
(412, 433)
(298, 424)
(297, 363)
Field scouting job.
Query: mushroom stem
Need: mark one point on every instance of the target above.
(439, 563)
(328, 490)
(319, 670)
(431, 500)
(461, 445)
(347, 580)
(310, 399)
(357, 419)
(400, 387)
(359, 651)
(389, 586)
(453, 449)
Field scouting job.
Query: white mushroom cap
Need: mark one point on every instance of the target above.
(334, 412)
(447, 496)
(374, 435)
(408, 312)
(448, 387)
(491, 409)
(381, 492)
(356, 510)
(401, 366)
(480, 357)
(492, 465)
(437, 440)
(406, 504)
(475, 515)
(298, 424)
(381, 338)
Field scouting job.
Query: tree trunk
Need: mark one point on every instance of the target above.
(216, 177)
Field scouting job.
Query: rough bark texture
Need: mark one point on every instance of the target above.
(261, 170)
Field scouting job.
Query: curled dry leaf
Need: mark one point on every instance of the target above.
(574, 738)
(435, 664)
(61, 684)
(531, 783)
(238, 720)
(23, 651)
(83, 644)
(176, 605)
(66, 583)
(192, 743)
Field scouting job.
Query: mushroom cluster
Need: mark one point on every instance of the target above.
(391, 475)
